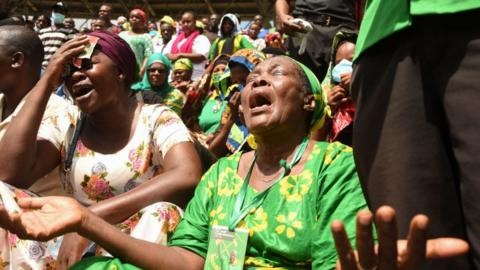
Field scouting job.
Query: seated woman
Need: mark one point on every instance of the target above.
(154, 87)
(199, 90)
(278, 200)
(230, 39)
(116, 155)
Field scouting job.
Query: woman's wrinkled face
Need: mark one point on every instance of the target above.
(96, 84)
(227, 26)
(136, 20)
(157, 74)
(182, 75)
(273, 96)
(188, 23)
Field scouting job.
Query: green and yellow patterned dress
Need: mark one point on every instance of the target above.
(291, 229)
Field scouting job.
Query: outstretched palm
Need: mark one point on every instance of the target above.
(43, 218)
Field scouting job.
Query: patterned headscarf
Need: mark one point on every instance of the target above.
(168, 20)
(119, 52)
(183, 64)
(145, 83)
(249, 58)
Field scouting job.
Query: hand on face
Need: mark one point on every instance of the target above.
(44, 218)
(391, 254)
(63, 57)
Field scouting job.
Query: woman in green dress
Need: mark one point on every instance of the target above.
(139, 40)
(280, 198)
(155, 80)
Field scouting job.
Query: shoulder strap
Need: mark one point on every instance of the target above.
(73, 142)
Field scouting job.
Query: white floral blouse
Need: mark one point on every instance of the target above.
(94, 176)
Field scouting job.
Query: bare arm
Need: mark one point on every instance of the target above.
(48, 217)
(282, 19)
(140, 253)
(195, 57)
(24, 159)
(176, 184)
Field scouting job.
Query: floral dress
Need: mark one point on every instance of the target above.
(291, 228)
(95, 177)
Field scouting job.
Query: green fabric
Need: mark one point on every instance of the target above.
(383, 18)
(318, 117)
(145, 83)
(141, 46)
(102, 263)
(291, 229)
(173, 98)
(239, 42)
(211, 114)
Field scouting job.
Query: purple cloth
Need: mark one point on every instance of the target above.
(119, 52)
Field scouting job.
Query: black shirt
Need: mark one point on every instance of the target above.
(340, 9)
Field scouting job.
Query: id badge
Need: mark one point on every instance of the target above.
(226, 249)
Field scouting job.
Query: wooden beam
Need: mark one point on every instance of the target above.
(150, 9)
(90, 10)
(210, 7)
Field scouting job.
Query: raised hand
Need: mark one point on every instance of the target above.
(391, 254)
(44, 218)
(64, 56)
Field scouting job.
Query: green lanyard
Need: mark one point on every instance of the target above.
(239, 212)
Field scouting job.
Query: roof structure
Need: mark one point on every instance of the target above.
(155, 8)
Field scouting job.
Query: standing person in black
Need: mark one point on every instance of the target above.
(327, 18)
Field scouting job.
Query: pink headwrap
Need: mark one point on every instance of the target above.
(119, 52)
(141, 13)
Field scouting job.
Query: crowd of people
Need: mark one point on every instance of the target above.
(327, 141)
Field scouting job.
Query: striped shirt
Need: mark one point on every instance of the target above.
(52, 40)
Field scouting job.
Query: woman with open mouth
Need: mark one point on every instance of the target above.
(276, 202)
(117, 156)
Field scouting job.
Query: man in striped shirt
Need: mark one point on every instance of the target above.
(54, 36)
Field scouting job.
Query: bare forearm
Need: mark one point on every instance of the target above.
(174, 185)
(137, 252)
(18, 146)
(282, 7)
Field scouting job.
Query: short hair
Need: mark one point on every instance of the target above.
(17, 38)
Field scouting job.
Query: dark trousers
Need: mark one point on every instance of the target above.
(416, 134)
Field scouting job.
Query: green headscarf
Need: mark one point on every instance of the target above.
(145, 83)
(318, 117)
